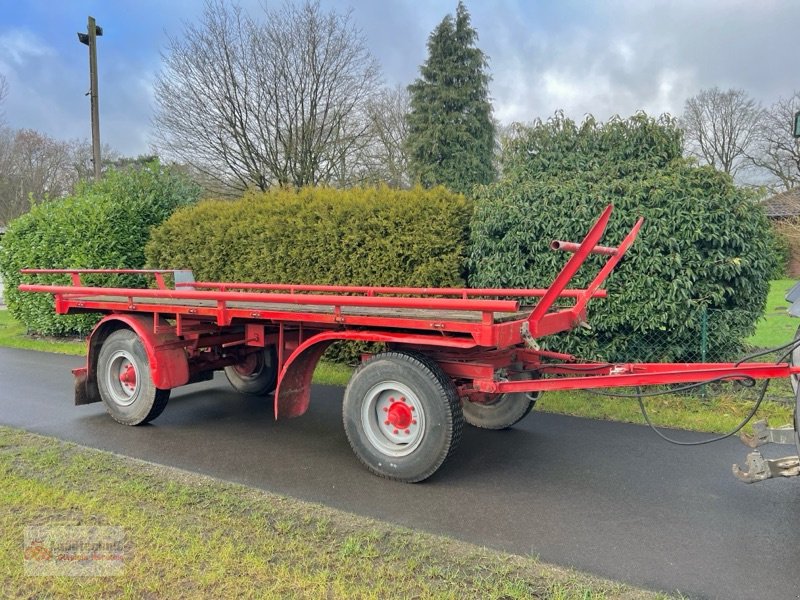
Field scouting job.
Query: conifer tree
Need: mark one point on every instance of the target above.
(451, 133)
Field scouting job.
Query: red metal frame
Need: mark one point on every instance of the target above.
(479, 338)
(635, 374)
(380, 290)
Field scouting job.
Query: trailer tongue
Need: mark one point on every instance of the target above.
(452, 355)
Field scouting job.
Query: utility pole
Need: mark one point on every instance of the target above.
(90, 39)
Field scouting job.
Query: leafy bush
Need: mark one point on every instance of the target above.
(786, 246)
(704, 244)
(104, 224)
(361, 236)
(781, 251)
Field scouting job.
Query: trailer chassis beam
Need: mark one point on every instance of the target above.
(601, 375)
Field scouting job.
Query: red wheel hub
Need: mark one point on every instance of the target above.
(399, 415)
(248, 366)
(128, 377)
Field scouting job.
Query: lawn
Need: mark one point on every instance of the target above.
(187, 535)
(717, 413)
(777, 327)
(13, 335)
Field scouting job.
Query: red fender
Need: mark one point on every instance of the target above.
(293, 394)
(169, 365)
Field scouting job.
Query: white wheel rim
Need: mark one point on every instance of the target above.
(122, 378)
(393, 418)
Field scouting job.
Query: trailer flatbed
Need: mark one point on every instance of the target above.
(452, 355)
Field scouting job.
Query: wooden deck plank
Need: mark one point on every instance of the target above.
(363, 311)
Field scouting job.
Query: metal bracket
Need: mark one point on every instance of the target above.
(759, 468)
(762, 434)
(525, 332)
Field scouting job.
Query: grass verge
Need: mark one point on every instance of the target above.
(193, 536)
(718, 413)
(777, 327)
(13, 335)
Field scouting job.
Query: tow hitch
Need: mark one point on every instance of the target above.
(760, 468)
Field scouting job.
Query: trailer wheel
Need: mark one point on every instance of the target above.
(402, 416)
(124, 381)
(504, 412)
(258, 374)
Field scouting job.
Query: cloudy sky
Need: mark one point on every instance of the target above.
(603, 57)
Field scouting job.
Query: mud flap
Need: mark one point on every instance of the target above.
(86, 391)
(293, 394)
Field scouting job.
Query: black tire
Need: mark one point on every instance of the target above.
(402, 416)
(260, 378)
(130, 400)
(505, 411)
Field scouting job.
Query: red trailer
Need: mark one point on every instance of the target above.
(451, 355)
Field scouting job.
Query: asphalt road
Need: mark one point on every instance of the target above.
(607, 498)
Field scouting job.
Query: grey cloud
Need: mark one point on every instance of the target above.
(604, 58)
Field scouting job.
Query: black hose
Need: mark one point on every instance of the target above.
(744, 380)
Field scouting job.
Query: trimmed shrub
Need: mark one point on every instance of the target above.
(705, 244)
(360, 236)
(104, 224)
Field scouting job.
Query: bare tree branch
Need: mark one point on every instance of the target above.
(776, 152)
(36, 168)
(33, 167)
(384, 158)
(277, 101)
(721, 128)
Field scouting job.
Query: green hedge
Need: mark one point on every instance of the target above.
(103, 225)
(705, 244)
(360, 236)
(784, 247)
